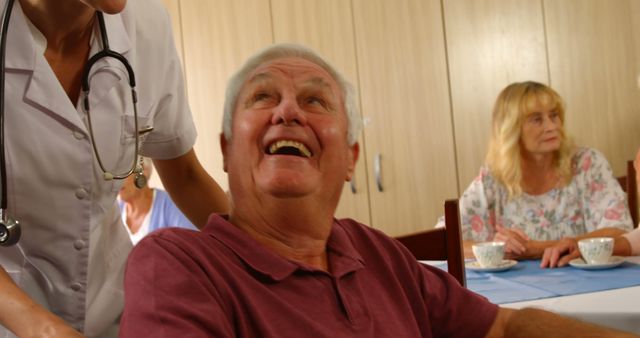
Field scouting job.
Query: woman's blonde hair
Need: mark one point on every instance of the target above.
(514, 104)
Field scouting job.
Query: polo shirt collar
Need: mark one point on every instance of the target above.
(343, 257)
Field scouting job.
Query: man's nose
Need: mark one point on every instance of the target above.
(289, 112)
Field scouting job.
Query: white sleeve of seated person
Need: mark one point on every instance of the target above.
(634, 239)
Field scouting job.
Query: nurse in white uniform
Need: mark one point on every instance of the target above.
(65, 274)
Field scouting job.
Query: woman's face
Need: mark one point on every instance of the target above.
(541, 131)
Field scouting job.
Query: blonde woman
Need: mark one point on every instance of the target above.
(537, 187)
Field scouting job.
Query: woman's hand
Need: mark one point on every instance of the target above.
(560, 254)
(515, 241)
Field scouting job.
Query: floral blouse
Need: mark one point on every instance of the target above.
(592, 200)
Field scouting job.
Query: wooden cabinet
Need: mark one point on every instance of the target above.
(428, 72)
(594, 64)
(404, 90)
(218, 36)
(490, 44)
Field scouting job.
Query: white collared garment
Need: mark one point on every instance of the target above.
(144, 227)
(73, 248)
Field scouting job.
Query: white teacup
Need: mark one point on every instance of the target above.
(596, 250)
(488, 254)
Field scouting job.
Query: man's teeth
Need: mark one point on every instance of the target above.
(293, 144)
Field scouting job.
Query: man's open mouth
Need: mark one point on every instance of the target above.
(287, 147)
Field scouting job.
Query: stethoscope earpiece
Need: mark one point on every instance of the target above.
(9, 232)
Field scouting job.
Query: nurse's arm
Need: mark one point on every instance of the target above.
(24, 317)
(191, 188)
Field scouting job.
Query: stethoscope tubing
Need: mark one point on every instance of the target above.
(6, 16)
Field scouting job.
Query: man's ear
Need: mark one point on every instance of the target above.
(223, 148)
(354, 152)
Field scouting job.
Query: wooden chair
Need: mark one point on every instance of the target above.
(441, 244)
(629, 186)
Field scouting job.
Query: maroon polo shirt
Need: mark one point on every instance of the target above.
(222, 283)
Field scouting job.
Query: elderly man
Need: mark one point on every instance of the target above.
(280, 264)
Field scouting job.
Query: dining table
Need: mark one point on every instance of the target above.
(608, 297)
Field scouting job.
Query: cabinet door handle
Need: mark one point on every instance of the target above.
(378, 171)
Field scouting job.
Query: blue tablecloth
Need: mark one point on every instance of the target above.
(527, 281)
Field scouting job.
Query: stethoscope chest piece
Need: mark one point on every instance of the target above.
(9, 232)
(140, 180)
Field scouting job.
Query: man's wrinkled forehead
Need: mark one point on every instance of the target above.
(303, 72)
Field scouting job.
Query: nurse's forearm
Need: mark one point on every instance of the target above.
(191, 188)
(24, 317)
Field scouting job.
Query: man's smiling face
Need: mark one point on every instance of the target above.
(289, 133)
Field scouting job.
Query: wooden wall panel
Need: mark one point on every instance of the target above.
(405, 96)
(327, 27)
(593, 64)
(218, 36)
(490, 44)
(173, 7)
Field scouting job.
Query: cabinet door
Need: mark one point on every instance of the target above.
(490, 44)
(327, 27)
(173, 7)
(593, 64)
(218, 36)
(405, 98)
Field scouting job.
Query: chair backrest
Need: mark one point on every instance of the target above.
(441, 244)
(629, 185)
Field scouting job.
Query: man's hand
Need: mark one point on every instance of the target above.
(560, 254)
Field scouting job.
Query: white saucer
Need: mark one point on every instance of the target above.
(506, 264)
(581, 264)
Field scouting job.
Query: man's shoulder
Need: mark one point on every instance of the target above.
(367, 240)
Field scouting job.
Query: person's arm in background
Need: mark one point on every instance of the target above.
(536, 249)
(25, 318)
(191, 188)
(566, 249)
(531, 323)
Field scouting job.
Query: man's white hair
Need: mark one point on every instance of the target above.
(285, 50)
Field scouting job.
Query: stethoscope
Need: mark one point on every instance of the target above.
(10, 231)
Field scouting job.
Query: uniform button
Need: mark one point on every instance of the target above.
(76, 286)
(81, 194)
(79, 244)
(78, 135)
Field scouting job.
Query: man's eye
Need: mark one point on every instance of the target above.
(261, 96)
(315, 100)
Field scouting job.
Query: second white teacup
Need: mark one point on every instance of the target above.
(488, 254)
(596, 250)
